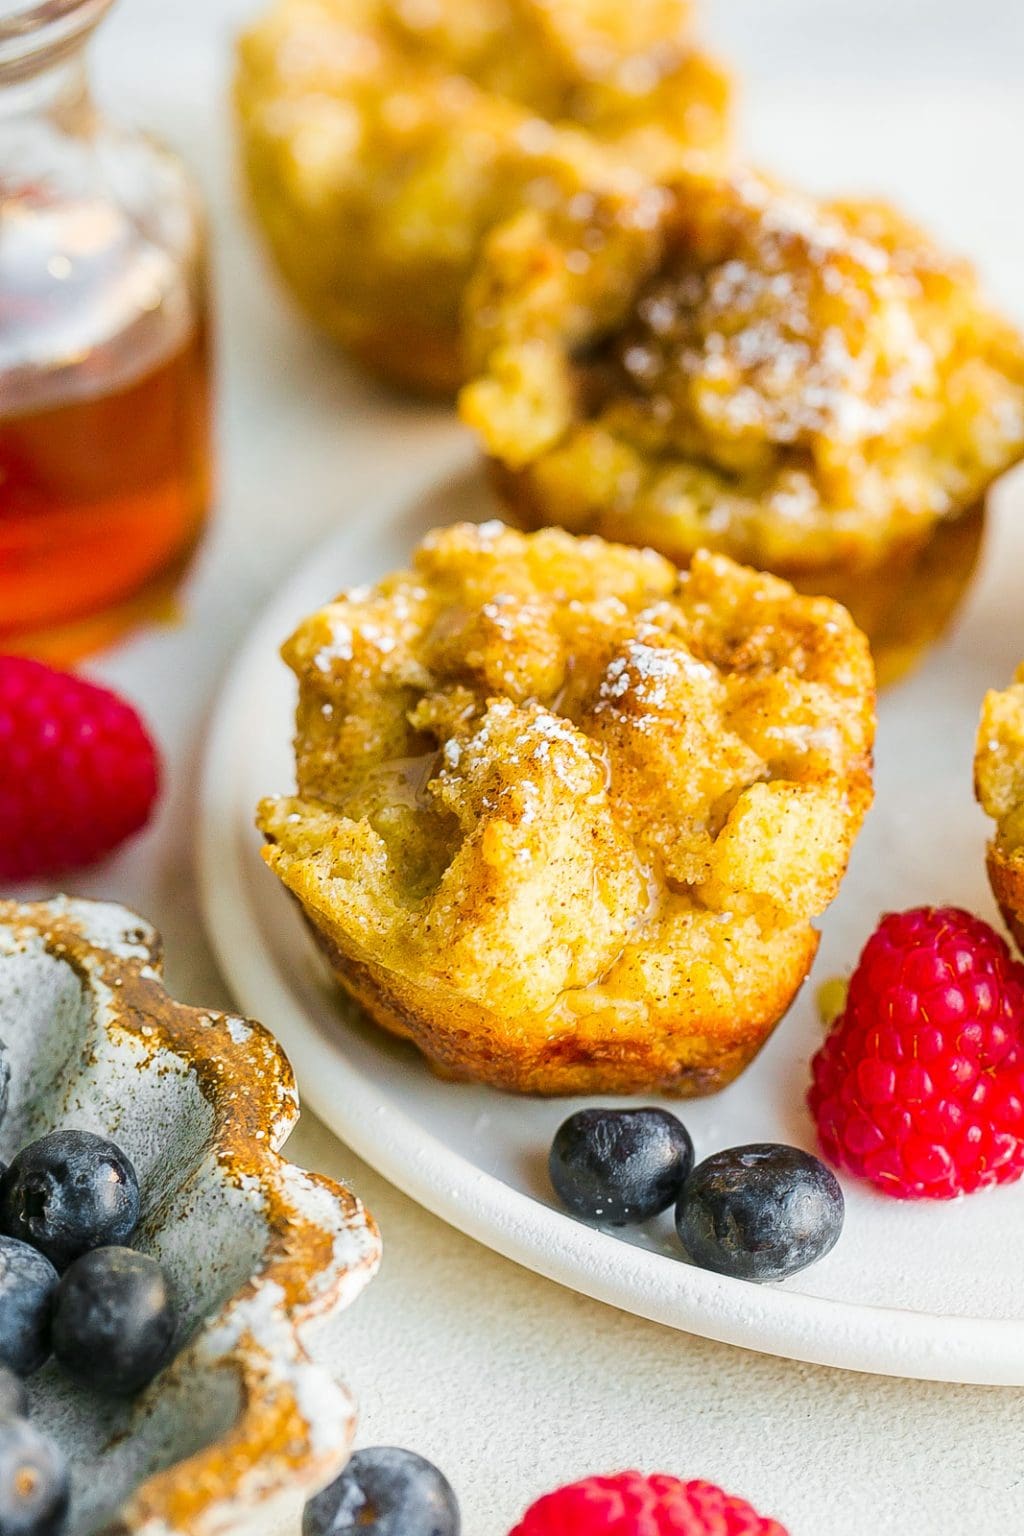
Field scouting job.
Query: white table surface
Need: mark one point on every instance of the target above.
(510, 1383)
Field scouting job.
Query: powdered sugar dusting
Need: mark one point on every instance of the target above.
(643, 672)
(800, 327)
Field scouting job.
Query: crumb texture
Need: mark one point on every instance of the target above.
(564, 816)
(382, 139)
(999, 779)
(723, 362)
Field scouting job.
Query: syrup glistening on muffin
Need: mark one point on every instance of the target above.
(565, 815)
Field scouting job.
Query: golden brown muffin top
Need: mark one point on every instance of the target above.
(559, 58)
(411, 105)
(731, 363)
(999, 764)
(383, 138)
(528, 762)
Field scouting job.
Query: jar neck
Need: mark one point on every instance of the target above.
(58, 91)
(42, 43)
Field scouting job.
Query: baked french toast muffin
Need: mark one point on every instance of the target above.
(999, 779)
(382, 139)
(810, 387)
(565, 815)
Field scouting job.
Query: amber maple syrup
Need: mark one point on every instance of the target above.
(101, 503)
(104, 411)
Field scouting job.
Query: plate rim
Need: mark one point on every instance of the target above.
(888, 1341)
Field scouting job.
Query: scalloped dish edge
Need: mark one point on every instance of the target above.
(295, 1424)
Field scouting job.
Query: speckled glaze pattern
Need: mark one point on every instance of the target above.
(243, 1423)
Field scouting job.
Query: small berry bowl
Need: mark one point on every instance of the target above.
(241, 1421)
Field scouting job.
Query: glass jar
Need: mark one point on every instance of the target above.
(104, 418)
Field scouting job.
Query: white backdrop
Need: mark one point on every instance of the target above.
(511, 1384)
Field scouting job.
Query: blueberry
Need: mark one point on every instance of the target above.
(34, 1484)
(69, 1192)
(13, 1395)
(28, 1282)
(113, 1321)
(384, 1492)
(620, 1165)
(760, 1212)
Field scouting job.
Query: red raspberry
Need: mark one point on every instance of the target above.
(78, 773)
(919, 1087)
(633, 1505)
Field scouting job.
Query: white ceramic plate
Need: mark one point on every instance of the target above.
(932, 1291)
